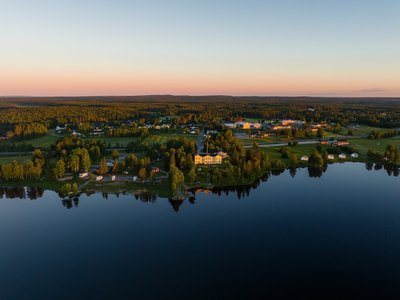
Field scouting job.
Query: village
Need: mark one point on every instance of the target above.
(222, 150)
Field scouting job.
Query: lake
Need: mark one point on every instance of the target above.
(333, 236)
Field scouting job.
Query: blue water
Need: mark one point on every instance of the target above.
(334, 236)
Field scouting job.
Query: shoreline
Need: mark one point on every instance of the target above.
(161, 189)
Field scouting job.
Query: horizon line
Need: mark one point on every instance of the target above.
(194, 95)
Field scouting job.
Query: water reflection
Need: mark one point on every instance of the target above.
(316, 172)
(145, 196)
(31, 193)
(70, 202)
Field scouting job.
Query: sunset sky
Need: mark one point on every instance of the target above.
(200, 47)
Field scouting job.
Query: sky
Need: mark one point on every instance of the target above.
(200, 47)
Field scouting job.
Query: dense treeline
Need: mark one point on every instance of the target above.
(391, 155)
(243, 163)
(17, 171)
(186, 110)
(128, 131)
(75, 155)
(375, 134)
(27, 130)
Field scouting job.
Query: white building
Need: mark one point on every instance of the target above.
(230, 125)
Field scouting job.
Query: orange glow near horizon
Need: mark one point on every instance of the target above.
(91, 84)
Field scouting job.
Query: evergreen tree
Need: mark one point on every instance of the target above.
(177, 179)
(315, 160)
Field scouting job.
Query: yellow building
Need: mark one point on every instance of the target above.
(287, 122)
(244, 125)
(207, 159)
(198, 159)
(281, 127)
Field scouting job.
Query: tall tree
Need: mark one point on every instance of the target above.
(59, 169)
(103, 166)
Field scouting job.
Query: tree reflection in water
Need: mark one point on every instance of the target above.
(243, 191)
(70, 202)
(316, 172)
(31, 193)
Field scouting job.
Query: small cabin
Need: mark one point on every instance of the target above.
(342, 143)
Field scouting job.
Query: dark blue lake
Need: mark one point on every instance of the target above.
(334, 236)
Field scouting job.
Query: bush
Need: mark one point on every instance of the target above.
(349, 149)
(333, 150)
(285, 152)
(278, 164)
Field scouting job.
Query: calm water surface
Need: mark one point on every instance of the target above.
(335, 236)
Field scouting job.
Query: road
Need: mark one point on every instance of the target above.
(308, 142)
(128, 178)
(199, 140)
(303, 142)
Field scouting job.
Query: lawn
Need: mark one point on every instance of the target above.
(361, 144)
(51, 138)
(8, 159)
(376, 145)
(163, 138)
(41, 141)
(122, 141)
(363, 130)
(299, 150)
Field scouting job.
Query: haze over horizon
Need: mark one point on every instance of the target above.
(192, 47)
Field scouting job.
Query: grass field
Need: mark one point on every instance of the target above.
(163, 138)
(51, 138)
(42, 141)
(377, 145)
(363, 130)
(299, 150)
(361, 144)
(21, 158)
(123, 141)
